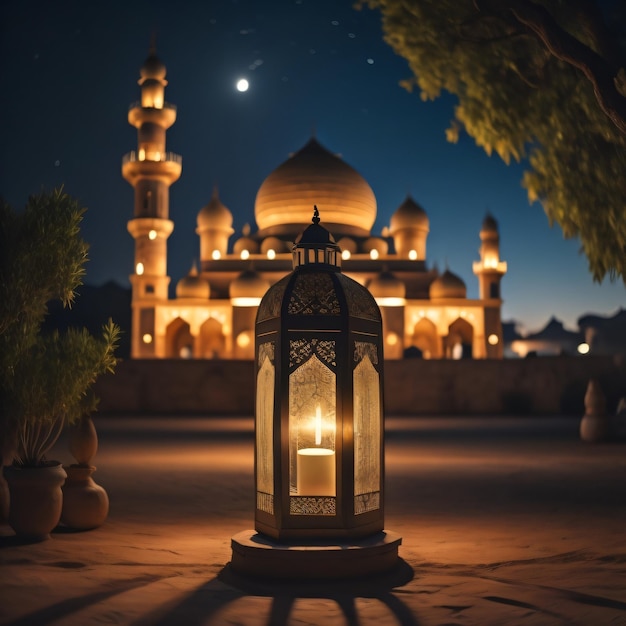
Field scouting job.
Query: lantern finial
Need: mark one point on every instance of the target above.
(316, 215)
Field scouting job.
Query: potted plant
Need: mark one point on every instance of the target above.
(45, 378)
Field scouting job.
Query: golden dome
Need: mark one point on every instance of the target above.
(215, 215)
(193, 286)
(409, 215)
(246, 243)
(248, 288)
(153, 68)
(313, 175)
(386, 285)
(448, 285)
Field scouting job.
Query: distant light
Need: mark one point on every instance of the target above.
(493, 340)
(185, 352)
(345, 254)
(245, 301)
(243, 339)
(392, 339)
(583, 348)
(271, 254)
(216, 255)
(242, 85)
(373, 254)
(147, 338)
(245, 254)
(413, 255)
(139, 269)
(152, 235)
(370, 61)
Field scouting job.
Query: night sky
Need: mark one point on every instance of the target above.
(69, 71)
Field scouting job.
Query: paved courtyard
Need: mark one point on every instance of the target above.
(504, 521)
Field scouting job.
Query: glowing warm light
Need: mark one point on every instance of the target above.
(391, 301)
(392, 339)
(493, 340)
(318, 426)
(216, 254)
(271, 254)
(583, 348)
(413, 255)
(147, 338)
(142, 154)
(139, 269)
(243, 339)
(152, 235)
(345, 254)
(242, 85)
(245, 301)
(373, 254)
(245, 254)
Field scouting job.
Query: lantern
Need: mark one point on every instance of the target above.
(319, 424)
(319, 419)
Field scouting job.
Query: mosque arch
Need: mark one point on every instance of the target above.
(425, 339)
(460, 339)
(211, 342)
(178, 340)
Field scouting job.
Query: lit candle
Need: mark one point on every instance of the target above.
(316, 472)
(316, 466)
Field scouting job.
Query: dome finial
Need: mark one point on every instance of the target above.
(316, 215)
(153, 43)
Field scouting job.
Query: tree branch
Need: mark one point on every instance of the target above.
(601, 73)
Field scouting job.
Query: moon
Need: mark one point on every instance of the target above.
(242, 85)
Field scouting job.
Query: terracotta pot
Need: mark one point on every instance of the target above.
(36, 499)
(85, 503)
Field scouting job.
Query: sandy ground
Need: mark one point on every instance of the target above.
(504, 521)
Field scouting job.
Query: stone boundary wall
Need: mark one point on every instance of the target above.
(533, 386)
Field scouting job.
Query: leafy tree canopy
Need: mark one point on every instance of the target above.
(542, 82)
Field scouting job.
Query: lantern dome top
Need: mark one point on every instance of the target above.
(316, 246)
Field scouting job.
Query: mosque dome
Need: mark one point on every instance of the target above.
(153, 68)
(274, 243)
(193, 286)
(246, 243)
(448, 285)
(313, 175)
(248, 286)
(408, 215)
(375, 243)
(215, 215)
(347, 243)
(490, 224)
(386, 285)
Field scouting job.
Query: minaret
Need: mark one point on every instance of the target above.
(150, 170)
(490, 270)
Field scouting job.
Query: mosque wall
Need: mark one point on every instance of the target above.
(532, 386)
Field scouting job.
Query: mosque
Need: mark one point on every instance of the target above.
(424, 312)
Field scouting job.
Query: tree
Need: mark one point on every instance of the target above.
(46, 378)
(542, 82)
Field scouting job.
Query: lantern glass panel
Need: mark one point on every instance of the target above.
(367, 429)
(312, 430)
(264, 429)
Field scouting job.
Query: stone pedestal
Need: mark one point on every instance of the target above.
(258, 555)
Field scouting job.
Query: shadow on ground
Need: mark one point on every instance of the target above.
(229, 587)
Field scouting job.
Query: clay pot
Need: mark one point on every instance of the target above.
(85, 503)
(36, 499)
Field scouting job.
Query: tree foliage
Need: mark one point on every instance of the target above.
(543, 82)
(45, 377)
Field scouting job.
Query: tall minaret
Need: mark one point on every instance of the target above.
(490, 270)
(150, 170)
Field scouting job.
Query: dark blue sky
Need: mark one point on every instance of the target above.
(69, 71)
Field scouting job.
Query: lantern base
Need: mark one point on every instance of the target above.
(255, 554)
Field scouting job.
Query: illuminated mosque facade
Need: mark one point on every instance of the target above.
(213, 313)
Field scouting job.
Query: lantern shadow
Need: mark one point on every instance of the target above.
(344, 592)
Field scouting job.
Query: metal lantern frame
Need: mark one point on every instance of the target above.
(314, 326)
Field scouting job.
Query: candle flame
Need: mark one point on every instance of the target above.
(318, 425)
